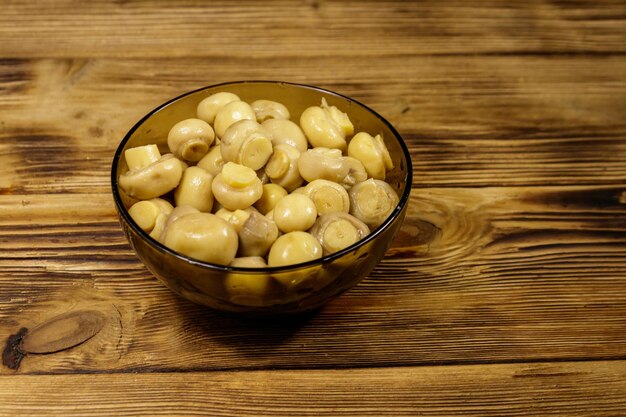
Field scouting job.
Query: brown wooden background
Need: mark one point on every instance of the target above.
(505, 293)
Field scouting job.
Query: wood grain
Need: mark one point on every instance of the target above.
(466, 126)
(476, 275)
(287, 29)
(504, 293)
(564, 389)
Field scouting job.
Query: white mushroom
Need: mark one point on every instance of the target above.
(195, 189)
(287, 132)
(268, 109)
(203, 236)
(237, 187)
(150, 215)
(294, 248)
(257, 235)
(190, 139)
(294, 212)
(372, 201)
(327, 196)
(271, 194)
(153, 180)
(322, 163)
(337, 231)
(209, 107)
(248, 143)
(212, 162)
(282, 167)
(326, 126)
(231, 113)
(372, 152)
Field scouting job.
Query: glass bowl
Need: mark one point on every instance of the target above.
(276, 290)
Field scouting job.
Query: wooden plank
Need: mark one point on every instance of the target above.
(562, 389)
(475, 275)
(482, 121)
(316, 28)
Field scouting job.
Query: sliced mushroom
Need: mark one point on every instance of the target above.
(294, 212)
(268, 109)
(190, 139)
(372, 201)
(145, 213)
(248, 143)
(153, 180)
(326, 126)
(203, 236)
(322, 163)
(195, 189)
(212, 162)
(231, 113)
(257, 235)
(328, 196)
(209, 107)
(337, 231)
(372, 152)
(294, 248)
(141, 156)
(237, 187)
(282, 167)
(287, 132)
(271, 194)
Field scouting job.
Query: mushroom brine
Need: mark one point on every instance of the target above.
(244, 185)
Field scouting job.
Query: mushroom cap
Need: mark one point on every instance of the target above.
(203, 236)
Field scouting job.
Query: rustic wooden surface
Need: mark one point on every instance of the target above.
(504, 294)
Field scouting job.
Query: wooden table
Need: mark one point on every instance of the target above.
(505, 293)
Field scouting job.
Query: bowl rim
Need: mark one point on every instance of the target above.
(123, 212)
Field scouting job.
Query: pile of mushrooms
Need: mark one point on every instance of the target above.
(243, 185)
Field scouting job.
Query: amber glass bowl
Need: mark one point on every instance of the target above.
(287, 289)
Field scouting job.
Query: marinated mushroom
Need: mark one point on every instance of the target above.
(141, 156)
(236, 218)
(372, 152)
(153, 180)
(372, 201)
(212, 162)
(178, 211)
(294, 212)
(195, 189)
(337, 231)
(249, 262)
(294, 248)
(322, 163)
(237, 186)
(327, 196)
(271, 194)
(282, 167)
(326, 126)
(248, 143)
(203, 236)
(247, 289)
(146, 214)
(356, 172)
(231, 113)
(207, 109)
(287, 132)
(257, 235)
(190, 139)
(268, 109)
